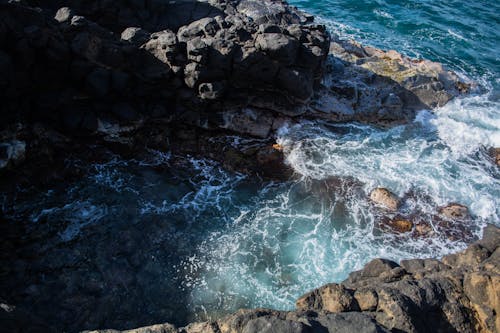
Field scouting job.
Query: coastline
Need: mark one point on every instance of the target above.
(215, 89)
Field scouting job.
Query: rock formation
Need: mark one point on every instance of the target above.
(169, 75)
(459, 293)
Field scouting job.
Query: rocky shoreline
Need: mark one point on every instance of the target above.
(189, 77)
(459, 293)
(135, 75)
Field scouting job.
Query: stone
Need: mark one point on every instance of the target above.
(348, 322)
(63, 14)
(384, 198)
(495, 155)
(331, 297)
(373, 269)
(271, 325)
(367, 299)
(296, 82)
(400, 225)
(483, 290)
(454, 211)
(213, 90)
(135, 35)
(278, 46)
(163, 45)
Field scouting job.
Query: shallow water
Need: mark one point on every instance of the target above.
(164, 238)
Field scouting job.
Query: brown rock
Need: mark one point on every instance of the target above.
(331, 297)
(495, 154)
(423, 229)
(483, 290)
(400, 225)
(455, 211)
(385, 198)
(367, 299)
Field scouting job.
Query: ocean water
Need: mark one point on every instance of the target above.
(164, 239)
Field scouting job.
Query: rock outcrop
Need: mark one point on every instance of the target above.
(202, 63)
(460, 293)
(124, 72)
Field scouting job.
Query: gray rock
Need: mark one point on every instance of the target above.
(63, 14)
(278, 46)
(135, 35)
(272, 324)
(212, 90)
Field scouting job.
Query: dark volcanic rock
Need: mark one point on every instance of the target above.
(458, 294)
(214, 48)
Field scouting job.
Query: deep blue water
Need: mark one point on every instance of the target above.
(177, 246)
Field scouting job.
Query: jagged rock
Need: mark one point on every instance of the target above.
(385, 198)
(427, 295)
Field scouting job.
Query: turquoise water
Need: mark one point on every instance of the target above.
(464, 35)
(171, 246)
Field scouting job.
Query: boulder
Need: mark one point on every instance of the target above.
(278, 46)
(63, 14)
(400, 225)
(331, 297)
(454, 211)
(135, 35)
(384, 198)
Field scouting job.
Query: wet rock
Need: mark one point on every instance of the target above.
(495, 154)
(454, 211)
(397, 224)
(373, 269)
(401, 225)
(427, 294)
(384, 198)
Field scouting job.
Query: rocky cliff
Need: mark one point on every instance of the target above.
(459, 293)
(171, 75)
